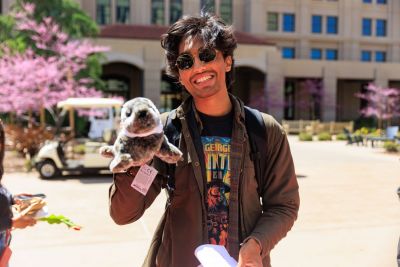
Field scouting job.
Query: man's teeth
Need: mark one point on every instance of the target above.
(202, 79)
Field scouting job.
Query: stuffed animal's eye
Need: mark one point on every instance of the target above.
(128, 112)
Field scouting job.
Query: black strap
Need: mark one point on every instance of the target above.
(256, 130)
(172, 129)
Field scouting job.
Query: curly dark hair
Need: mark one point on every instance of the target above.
(2, 148)
(211, 29)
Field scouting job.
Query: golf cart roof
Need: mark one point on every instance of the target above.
(90, 102)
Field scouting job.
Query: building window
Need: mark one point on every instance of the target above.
(272, 21)
(207, 6)
(175, 10)
(381, 2)
(316, 24)
(225, 10)
(366, 55)
(123, 10)
(380, 56)
(103, 12)
(380, 27)
(367, 1)
(157, 12)
(316, 53)
(289, 24)
(332, 25)
(288, 52)
(366, 27)
(331, 54)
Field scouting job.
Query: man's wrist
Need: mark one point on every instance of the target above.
(253, 242)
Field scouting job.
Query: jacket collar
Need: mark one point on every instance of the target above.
(188, 106)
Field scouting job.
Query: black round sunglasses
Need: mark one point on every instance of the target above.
(185, 60)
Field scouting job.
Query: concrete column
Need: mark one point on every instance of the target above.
(303, 48)
(303, 21)
(141, 11)
(350, 15)
(394, 53)
(152, 73)
(330, 92)
(254, 11)
(89, 7)
(394, 23)
(113, 12)
(380, 78)
(238, 15)
(275, 82)
(190, 7)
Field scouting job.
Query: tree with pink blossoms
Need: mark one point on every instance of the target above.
(382, 103)
(47, 73)
(311, 97)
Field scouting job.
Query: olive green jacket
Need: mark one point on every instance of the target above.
(183, 225)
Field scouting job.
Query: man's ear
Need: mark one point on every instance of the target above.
(228, 63)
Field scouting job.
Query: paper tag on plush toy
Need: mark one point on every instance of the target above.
(144, 178)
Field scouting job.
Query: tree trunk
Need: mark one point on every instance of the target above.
(42, 117)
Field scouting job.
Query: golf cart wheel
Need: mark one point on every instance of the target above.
(47, 169)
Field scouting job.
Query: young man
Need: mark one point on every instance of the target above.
(216, 196)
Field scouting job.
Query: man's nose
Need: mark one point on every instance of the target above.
(198, 63)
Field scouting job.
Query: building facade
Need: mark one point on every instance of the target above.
(303, 59)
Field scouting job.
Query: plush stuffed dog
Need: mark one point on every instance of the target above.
(141, 137)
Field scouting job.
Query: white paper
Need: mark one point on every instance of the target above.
(144, 178)
(214, 256)
(43, 212)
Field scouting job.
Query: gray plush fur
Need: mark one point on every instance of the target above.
(139, 116)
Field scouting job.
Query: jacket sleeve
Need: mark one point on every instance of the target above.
(5, 213)
(280, 197)
(126, 204)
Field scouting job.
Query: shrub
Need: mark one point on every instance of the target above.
(305, 136)
(27, 140)
(364, 131)
(377, 132)
(391, 146)
(324, 136)
(341, 137)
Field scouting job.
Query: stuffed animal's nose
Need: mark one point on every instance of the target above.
(142, 114)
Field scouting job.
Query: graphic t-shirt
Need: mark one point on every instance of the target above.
(216, 140)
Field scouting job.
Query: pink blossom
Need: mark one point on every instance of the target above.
(383, 103)
(29, 82)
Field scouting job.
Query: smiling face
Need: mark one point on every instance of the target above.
(204, 80)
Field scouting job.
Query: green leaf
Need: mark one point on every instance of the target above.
(60, 219)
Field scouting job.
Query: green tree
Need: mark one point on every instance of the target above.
(66, 13)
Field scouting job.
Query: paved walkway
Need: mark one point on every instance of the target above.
(349, 215)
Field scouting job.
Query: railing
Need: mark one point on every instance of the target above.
(315, 126)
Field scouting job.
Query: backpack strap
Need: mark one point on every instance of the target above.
(172, 129)
(256, 130)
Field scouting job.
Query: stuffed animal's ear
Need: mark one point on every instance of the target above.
(168, 152)
(107, 151)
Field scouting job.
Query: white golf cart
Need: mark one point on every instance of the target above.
(81, 154)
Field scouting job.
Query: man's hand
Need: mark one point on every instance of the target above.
(249, 254)
(22, 222)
